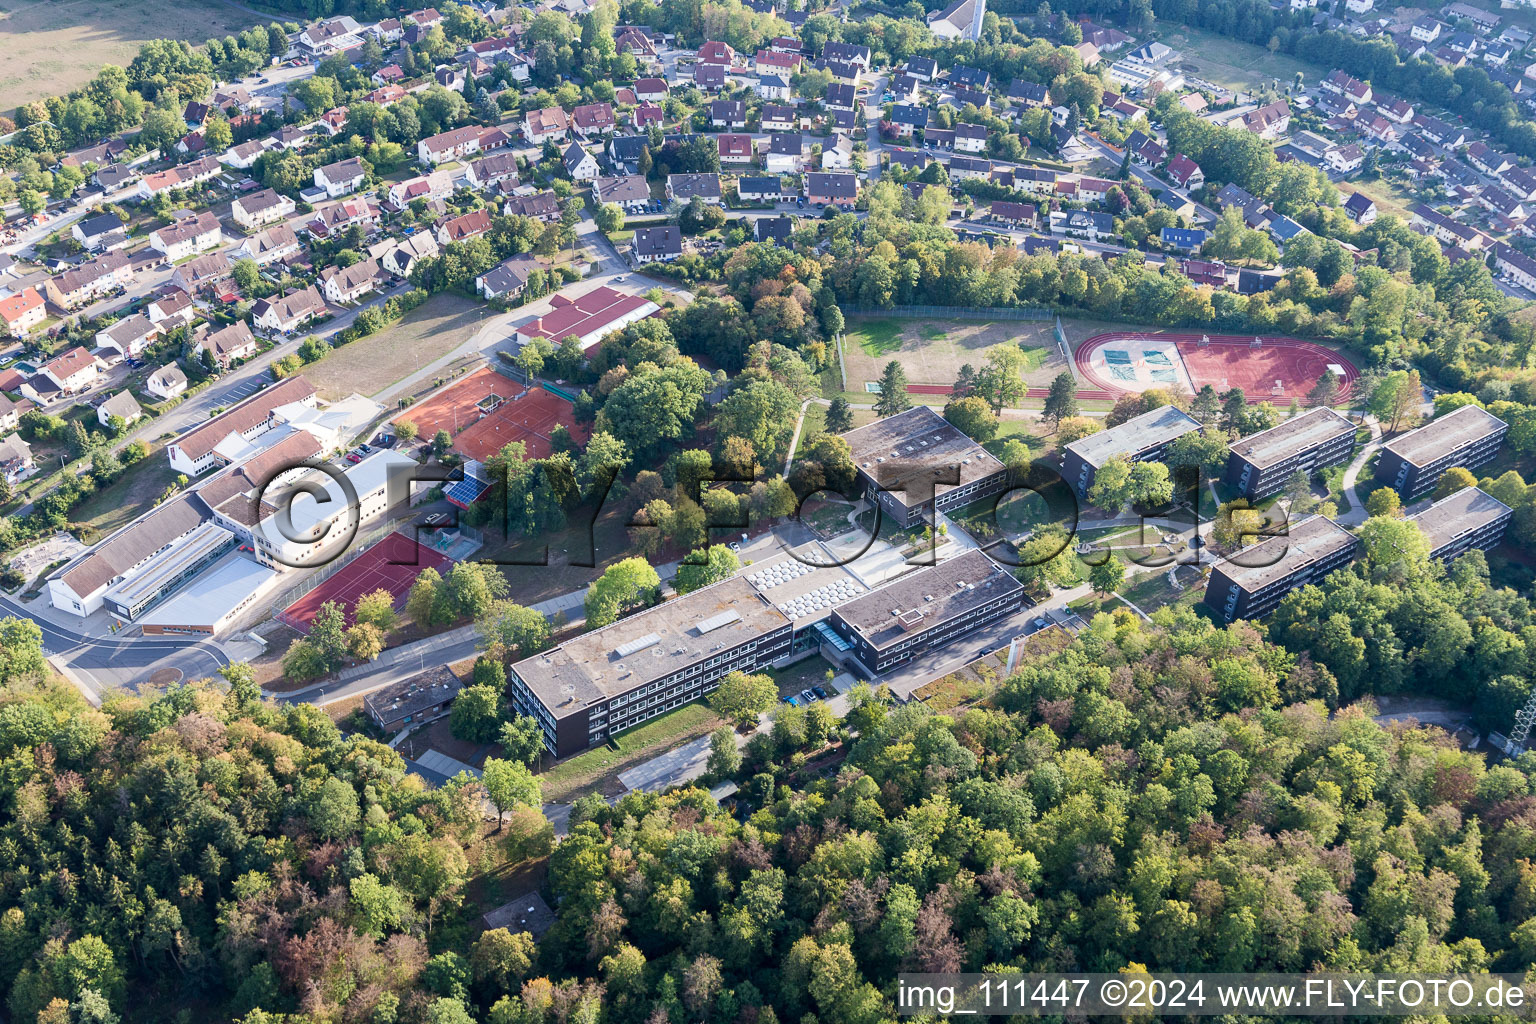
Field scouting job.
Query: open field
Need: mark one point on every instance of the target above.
(1236, 65)
(932, 351)
(53, 46)
(369, 365)
(110, 508)
(598, 768)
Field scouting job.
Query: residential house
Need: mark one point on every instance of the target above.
(970, 138)
(1428, 29)
(731, 114)
(906, 119)
(10, 412)
(1360, 208)
(773, 62)
(404, 254)
(777, 118)
(1189, 240)
(541, 206)
(129, 336)
(630, 192)
(1027, 94)
(286, 314)
(651, 90)
(100, 232)
(167, 382)
(1269, 121)
(960, 20)
(464, 227)
(734, 148)
(786, 154)
(772, 87)
(70, 372)
(170, 309)
(684, 187)
(341, 178)
(1013, 214)
(1398, 111)
(850, 53)
(509, 278)
(837, 154)
(89, 281)
(831, 189)
(16, 459)
(228, 345)
(764, 189)
(773, 229)
(1345, 159)
(717, 53)
(188, 236)
(1185, 173)
(709, 78)
(437, 185)
(1087, 224)
(261, 208)
(201, 273)
(1488, 160)
(591, 120)
(579, 164)
(657, 244)
(342, 215)
(345, 285)
(965, 168)
(1343, 85)
(22, 311)
(450, 145)
(924, 69)
(546, 124)
(840, 96)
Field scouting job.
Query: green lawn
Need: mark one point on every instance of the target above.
(1231, 63)
(584, 772)
(109, 508)
(880, 337)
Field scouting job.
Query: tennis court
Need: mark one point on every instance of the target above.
(486, 411)
(392, 564)
(1267, 369)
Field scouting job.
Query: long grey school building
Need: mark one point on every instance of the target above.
(926, 609)
(1261, 463)
(1470, 518)
(1139, 439)
(648, 663)
(1253, 581)
(917, 462)
(1413, 463)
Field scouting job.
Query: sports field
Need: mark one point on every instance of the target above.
(392, 564)
(1267, 369)
(486, 411)
(932, 351)
(53, 46)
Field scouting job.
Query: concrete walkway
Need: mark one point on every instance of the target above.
(1356, 514)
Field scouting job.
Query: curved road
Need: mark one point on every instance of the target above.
(96, 664)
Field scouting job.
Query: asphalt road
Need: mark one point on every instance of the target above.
(102, 664)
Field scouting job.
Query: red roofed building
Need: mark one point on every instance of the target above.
(592, 119)
(22, 312)
(590, 317)
(717, 53)
(1185, 172)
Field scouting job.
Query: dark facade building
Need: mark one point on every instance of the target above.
(1261, 463)
(926, 609)
(421, 698)
(1252, 582)
(648, 663)
(1470, 518)
(1140, 439)
(1413, 463)
(900, 457)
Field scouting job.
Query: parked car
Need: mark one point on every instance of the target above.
(435, 519)
(822, 692)
(808, 696)
(791, 702)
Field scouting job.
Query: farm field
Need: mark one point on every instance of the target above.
(932, 351)
(369, 365)
(53, 46)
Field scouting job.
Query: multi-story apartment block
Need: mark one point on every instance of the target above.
(1261, 463)
(1413, 463)
(1252, 582)
(1139, 439)
(1470, 518)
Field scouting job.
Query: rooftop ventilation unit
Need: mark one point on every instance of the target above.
(725, 618)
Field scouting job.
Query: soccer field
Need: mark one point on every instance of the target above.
(932, 351)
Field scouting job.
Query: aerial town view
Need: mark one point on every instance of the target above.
(766, 511)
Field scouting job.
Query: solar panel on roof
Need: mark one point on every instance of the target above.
(716, 621)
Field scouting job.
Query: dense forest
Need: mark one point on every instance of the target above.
(1170, 794)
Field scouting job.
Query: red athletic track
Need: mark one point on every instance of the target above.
(1231, 357)
(392, 564)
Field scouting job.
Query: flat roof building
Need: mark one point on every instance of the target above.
(925, 609)
(421, 698)
(648, 663)
(1251, 583)
(1261, 463)
(1470, 518)
(902, 460)
(1139, 439)
(1413, 463)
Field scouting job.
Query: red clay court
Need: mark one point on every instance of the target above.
(463, 408)
(1277, 370)
(392, 564)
